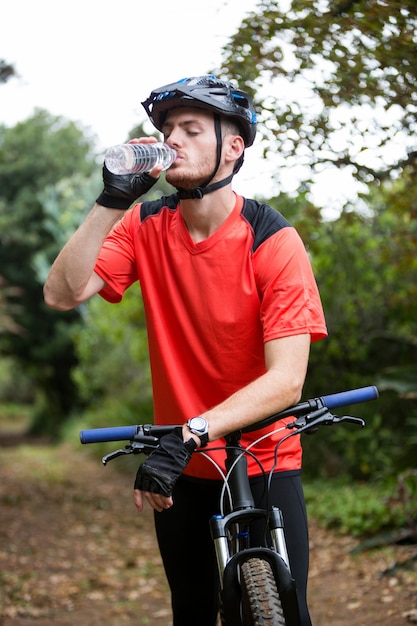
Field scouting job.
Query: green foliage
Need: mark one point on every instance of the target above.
(335, 82)
(404, 500)
(108, 411)
(38, 152)
(402, 380)
(365, 267)
(65, 204)
(48, 181)
(7, 308)
(113, 358)
(112, 376)
(35, 157)
(15, 387)
(355, 509)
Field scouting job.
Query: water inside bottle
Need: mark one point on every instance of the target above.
(136, 158)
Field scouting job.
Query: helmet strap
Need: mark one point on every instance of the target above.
(199, 192)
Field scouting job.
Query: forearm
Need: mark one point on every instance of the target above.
(262, 398)
(280, 387)
(70, 280)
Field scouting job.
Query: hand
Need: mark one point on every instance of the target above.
(155, 500)
(120, 191)
(160, 471)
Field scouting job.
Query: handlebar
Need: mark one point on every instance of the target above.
(114, 433)
(354, 396)
(153, 433)
(332, 401)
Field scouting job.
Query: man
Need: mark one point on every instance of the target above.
(231, 307)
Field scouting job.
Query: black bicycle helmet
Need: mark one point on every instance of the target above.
(211, 94)
(205, 92)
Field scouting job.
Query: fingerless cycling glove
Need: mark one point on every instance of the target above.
(161, 470)
(121, 190)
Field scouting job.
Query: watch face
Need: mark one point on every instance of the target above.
(198, 423)
(199, 426)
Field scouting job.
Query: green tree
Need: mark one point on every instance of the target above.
(367, 281)
(335, 81)
(113, 372)
(34, 156)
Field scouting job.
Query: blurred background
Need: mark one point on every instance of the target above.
(335, 85)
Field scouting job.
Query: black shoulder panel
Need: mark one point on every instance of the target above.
(152, 207)
(264, 221)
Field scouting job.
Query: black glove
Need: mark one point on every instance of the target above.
(164, 466)
(121, 190)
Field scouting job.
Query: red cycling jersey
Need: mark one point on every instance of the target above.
(211, 306)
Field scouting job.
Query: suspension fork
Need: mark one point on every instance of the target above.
(241, 501)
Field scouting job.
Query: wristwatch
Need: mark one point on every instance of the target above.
(199, 426)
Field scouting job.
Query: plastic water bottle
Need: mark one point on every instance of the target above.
(134, 158)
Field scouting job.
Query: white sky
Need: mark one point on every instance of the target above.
(94, 61)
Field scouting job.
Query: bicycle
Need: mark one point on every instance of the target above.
(257, 588)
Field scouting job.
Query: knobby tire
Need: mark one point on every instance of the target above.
(261, 603)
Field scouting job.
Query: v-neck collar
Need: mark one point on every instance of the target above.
(212, 239)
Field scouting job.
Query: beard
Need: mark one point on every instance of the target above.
(182, 178)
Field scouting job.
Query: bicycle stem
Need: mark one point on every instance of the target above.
(237, 470)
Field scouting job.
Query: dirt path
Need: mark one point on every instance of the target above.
(73, 552)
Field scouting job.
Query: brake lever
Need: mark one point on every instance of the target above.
(312, 420)
(321, 417)
(146, 446)
(113, 455)
(352, 420)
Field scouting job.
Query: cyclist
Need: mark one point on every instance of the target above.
(231, 307)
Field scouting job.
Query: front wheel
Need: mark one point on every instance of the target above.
(261, 602)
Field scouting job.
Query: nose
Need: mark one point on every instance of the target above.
(174, 137)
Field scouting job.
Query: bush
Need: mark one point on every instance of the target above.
(358, 509)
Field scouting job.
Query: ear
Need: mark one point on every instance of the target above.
(234, 147)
